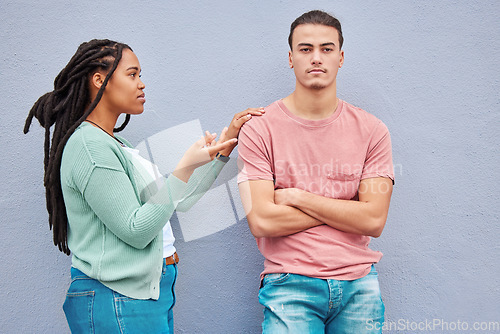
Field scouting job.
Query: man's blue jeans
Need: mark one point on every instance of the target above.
(300, 304)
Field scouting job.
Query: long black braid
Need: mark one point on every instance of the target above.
(66, 107)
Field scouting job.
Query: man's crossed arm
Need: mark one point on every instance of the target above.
(281, 212)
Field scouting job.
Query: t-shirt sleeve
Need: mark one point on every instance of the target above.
(254, 158)
(378, 161)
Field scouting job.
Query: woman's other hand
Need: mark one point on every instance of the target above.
(201, 152)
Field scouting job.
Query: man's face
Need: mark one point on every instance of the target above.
(316, 56)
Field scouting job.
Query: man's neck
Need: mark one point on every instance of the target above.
(312, 104)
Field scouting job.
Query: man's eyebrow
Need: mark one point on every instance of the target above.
(310, 45)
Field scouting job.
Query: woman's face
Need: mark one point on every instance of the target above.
(124, 91)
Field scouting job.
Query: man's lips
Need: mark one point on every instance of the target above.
(316, 70)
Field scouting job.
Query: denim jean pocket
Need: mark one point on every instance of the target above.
(76, 306)
(142, 315)
(275, 278)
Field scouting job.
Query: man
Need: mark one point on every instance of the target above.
(316, 179)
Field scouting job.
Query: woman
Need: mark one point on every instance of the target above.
(106, 204)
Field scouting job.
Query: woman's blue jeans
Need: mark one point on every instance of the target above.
(91, 307)
(300, 304)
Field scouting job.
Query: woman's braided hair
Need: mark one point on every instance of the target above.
(66, 107)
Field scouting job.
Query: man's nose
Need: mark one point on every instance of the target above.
(316, 57)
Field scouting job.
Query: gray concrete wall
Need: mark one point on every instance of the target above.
(429, 70)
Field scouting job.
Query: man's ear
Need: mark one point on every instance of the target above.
(290, 59)
(97, 80)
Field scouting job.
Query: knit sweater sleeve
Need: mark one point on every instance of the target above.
(94, 175)
(111, 196)
(199, 183)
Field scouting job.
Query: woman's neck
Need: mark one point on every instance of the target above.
(104, 120)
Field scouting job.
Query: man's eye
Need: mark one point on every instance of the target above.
(305, 49)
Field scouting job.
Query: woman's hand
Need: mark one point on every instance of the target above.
(234, 127)
(201, 152)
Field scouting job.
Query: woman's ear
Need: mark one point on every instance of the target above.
(97, 80)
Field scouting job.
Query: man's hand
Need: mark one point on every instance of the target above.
(267, 218)
(287, 196)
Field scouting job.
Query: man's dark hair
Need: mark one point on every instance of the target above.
(317, 17)
(66, 107)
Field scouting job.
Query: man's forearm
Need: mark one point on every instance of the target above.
(279, 220)
(366, 216)
(344, 215)
(268, 219)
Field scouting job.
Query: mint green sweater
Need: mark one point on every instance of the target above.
(116, 212)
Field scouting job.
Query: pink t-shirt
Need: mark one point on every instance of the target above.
(327, 157)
